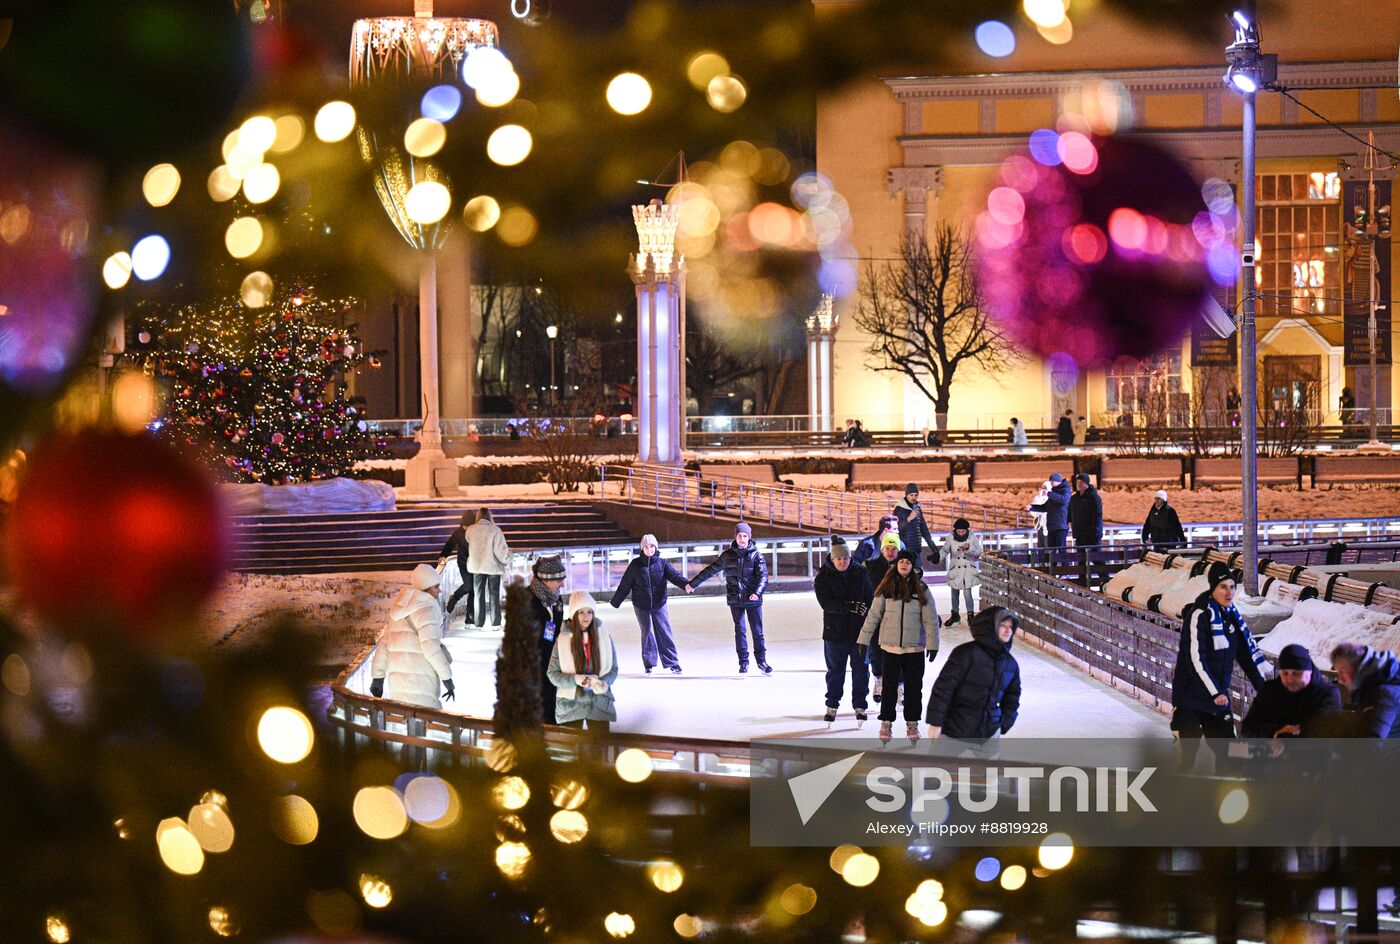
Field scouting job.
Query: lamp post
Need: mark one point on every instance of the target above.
(821, 332)
(552, 332)
(1369, 227)
(658, 273)
(1248, 72)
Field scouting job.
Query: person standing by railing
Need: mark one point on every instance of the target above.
(745, 579)
(583, 667)
(645, 580)
(1162, 529)
(547, 611)
(410, 653)
(488, 556)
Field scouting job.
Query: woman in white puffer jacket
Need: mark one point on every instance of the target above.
(410, 653)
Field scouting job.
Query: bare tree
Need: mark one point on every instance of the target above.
(571, 447)
(711, 365)
(925, 316)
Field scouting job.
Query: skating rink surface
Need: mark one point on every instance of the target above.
(712, 700)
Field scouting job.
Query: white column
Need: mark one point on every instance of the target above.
(827, 379)
(431, 437)
(659, 276)
(814, 383)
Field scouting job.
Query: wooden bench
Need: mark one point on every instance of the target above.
(1357, 470)
(1160, 473)
(1275, 471)
(930, 475)
(1010, 473)
(760, 472)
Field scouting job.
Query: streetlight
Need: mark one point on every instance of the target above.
(1370, 225)
(1248, 72)
(553, 333)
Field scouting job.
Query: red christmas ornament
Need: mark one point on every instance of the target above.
(114, 532)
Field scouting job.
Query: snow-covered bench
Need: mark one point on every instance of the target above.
(1276, 471)
(930, 475)
(1357, 470)
(1009, 473)
(1158, 473)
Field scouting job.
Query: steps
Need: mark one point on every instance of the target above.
(401, 539)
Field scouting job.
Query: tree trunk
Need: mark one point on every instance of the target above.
(775, 395)
(940, 408)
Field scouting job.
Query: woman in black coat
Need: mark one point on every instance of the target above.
(1162, 529)
(645, 581)
(978, 692)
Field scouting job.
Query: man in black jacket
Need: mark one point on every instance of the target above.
(745, 579)
(978, 692)
(1373, 678)
(1055, 507)
(913, 526)
(1293, 702)
(1086, 524)
(1064, 430)
(547, 610)
(1162, 529)
(844, 593)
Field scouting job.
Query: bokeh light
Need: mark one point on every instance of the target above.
(243, 237)
(211, 826)
(798, 899)
(629, 93)
(221, 921)
(926, 903)
(261, 183)
(380, 813)
(1046, 13)
(427, 202)
(222, 184)
(160, 184)
(995, 38)
(517, 227)
(290, 132)
(256, 290)
(285, 734)
(1056, 851)
(375, 891)
(57, 930)
(1059, 34)
(860, 869)
(703, 67)
(149, 257)
(482, 64)
(619, 925)
(633, 765)
(687, 926)
(512, 858)
(508, 145)
(441, 102)
(179, 849)
(1014, 876)
(116, 270)
(568, 826)
(987, 869)
(424, 137)
(726, 93)
(481, 213)
(665, 875)
(257, 134)
(1234, 806)
(294, 820)
(498, 88)
(512, 793)
(334, 121)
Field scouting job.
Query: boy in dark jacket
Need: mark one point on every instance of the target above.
(1373, 678)
(978, 692)
(745, 578)
(843, 592)
(913, 527)
(1295, 701)
(869, 548)
(1055, 507)
(1162, 529)
(1214, 636)
(547, 609)
(645, 579)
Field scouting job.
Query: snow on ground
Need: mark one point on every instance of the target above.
(1129, 506)
(1321, 625)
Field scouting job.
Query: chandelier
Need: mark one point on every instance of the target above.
(656, 237)
(418, 46)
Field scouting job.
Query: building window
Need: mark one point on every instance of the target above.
(1298, 242)
(1147, 392)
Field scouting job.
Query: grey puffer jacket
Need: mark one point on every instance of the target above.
(901, 624)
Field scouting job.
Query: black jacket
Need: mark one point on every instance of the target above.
(867, 549)
(1055, 507)
(456, 546)
(1376, 695)
(1212, 641)
(978, 692)
(646, 579)
(1086, 516)
(549, 620)
(1275, 706)
(844, 596)
(1163, 527)
(913, 530)
(1064, 431)
(745, 573)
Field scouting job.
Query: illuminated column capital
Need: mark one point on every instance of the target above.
(658, 273)
(656, 258)
(824, 320)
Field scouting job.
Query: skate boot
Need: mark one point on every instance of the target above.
(830, 717)
(675, 670)
(743, 668)
(764, 667)
(953, 620)
(911, 731)
(879, 687)
(860, 717)
(885, 732)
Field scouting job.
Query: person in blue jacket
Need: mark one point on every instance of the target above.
(869, 547)
(1214, 637)
(913, 527)
(1373, 678)
(1055, 507)
(645, 580)
(745, 579)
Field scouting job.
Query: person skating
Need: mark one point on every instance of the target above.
(903, 622)
(875, 569)
(1055, 507)
(1064, 430)
(1373, 678)
(1214, 636)
(1162, 529)
(869, 547)
(583, 667)
(1038, 525)
(1017, 433)
(410, 653)
(1295, 701)
(488, 557)
(547, 610)
(843, 592)
(645, 580)
(978, 693)
(961, 551)
(913, 527)
(745, 579)
(457, 548)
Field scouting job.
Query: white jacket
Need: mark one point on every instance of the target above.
(960, 557)
(410, 654)
(487, 551)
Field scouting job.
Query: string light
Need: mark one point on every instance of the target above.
(285, 734)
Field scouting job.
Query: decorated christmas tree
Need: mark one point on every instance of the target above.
(259, 394)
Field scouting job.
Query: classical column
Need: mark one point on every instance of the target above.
(821, 333)
(916, 183)
(659, 276)
(429, 471)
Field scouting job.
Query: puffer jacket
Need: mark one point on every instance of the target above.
(487, 551)
(1212, 641)
(901, 624)
(844, 596)
(745, 573)
(573, 701)
(1055, 507)
(410, 656)
(1376, 693)
(978, 692)
(913, 529)
(645, 580)
(960, 557)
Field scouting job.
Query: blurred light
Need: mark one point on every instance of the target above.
(441, 102)
(1045, 147)
(512, 793)
(1059, 34)
(508, 145)
(261, 182)
(135, 401)
(380, 813)
(424, 137)
(294, 820)
(498, 89)
(481, 64)
(212, 828)
(995, 38)
(619, 925)
(926, 903)
(285, 734)
(243, 237)
(1241, 20)
(290, 130)
(335, 121)
(14, 223)
(1077, 152)
(257, 134)
(375, 891)
(568, 826)
(1006, 205)
(552, 331)
(1234, 806)
(687, 926)
(149, 257)
(256, 290)
(428, 799)
(629, 93)
(1046, 13)
(14, 674)
(481, 213)
(987, 869)
(703, 67)
(116, 271)
(517, 227)
(1056, 851)
(57, 929)
(1085, 243)
(798, 899)
(860, 869)
(221, 922)
(633, 765)
(1015, 875)
(665, 875)
(160, 184)
(222, 184)
(427, 202)
(512, 858)
(1127, 228)
(501, 755)
(726, 93)
(179, 850)
(568, 794)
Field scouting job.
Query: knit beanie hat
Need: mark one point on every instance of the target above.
(549, 568)
(1162, 494)
(961, 525)
(912, 488)
(909, 556)
(891, 540)
(839, 548)
(1219, 573)
(424, 577)
(1295, 657)
(1084, 477)
(743, 528)
(580, 600)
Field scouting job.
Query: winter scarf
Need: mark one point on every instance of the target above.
(566, 650)
(548, 597)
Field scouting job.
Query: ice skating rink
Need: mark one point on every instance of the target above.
(712, 700)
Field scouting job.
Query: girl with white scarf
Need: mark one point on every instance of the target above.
(583, 667)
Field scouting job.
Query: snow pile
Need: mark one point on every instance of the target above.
(1183, 593)
(1128, 578)
(1148, 580)
(1321, 625)
(330, 496)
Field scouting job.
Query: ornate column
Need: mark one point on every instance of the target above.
(659, 276)
(915, 183)
(821, 332)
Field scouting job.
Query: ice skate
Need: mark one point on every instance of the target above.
(830, 717)
(886, 731)
(911, 731)
(743, 668)
(675, 670)
(860, 717)
(879, 687)
(764, 667)
(953, 620)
